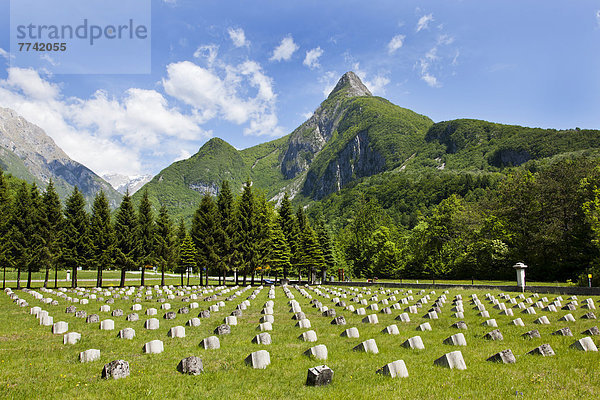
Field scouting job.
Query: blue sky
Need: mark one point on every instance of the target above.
(250, 71)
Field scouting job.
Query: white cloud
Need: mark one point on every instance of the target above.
(375, 84)
(5, 54)
(209, 52)
(284, 51)
(430, 80)
(598, 18)
(238, 37)
(424, 22)
(223, 92)
(312, 58)
(435, 58)
(307, 115)
(183, 155)
(104, 133)
(396, 42)
(328, 81)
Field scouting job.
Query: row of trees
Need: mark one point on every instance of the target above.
(246, 235)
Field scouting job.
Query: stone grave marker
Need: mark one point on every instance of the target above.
(395, 369)
(452, 360)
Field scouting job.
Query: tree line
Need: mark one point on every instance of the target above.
(545, 215)
(242, 234)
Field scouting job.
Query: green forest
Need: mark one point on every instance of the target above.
(439, 225)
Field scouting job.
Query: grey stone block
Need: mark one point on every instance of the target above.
(116, 369)
(505, 356)
(543, 350)
(319, 376)
(494, 335)
(191, 365)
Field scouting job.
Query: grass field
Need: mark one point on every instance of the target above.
(36, 364)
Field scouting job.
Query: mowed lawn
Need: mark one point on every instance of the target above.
(34, 363)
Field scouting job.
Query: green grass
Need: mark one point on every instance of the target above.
(36, 364)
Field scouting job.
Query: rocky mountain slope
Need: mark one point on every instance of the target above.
(351, 134)
(28, 153)
(353, 137)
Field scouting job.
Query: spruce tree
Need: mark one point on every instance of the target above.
(126, 237)
(37, 243)
(310, 257)
(53, 220)
(165, 243)
(288, 227)
(246, 232)
(20, 226)
(145, 234)
(326, 245)
(5, 217)
(225, 241)
(187, 257)
(76, 245)
(279, 254)
(205, 229)
(263, 217)
(102, 236)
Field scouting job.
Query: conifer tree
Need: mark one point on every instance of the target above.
(279, 255)
(326, 247)
(53, 220)
(126, 237)
(246, 231)
(166, 242)
(187, 257)
(37, 243)
(263, 217)
(76, 245)
(310, 257)
(5, 216)
(20, 230)
(205, 229)
(225, 241)
(102, 236)
(145, 234)
(288, 227)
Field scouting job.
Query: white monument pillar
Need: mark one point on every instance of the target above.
(520, 268)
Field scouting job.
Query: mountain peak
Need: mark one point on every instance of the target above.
(351, 84)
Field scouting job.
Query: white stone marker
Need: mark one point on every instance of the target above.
(259, 359)
(154, 347)
(177, 332)
(452, 360)
(107, 325)
(414, 342)
(585, 344)
(319, 352)
(71, 338)
(396, 369)
(127, 333)
(60, 327)
(89, 355)
(368, 346)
